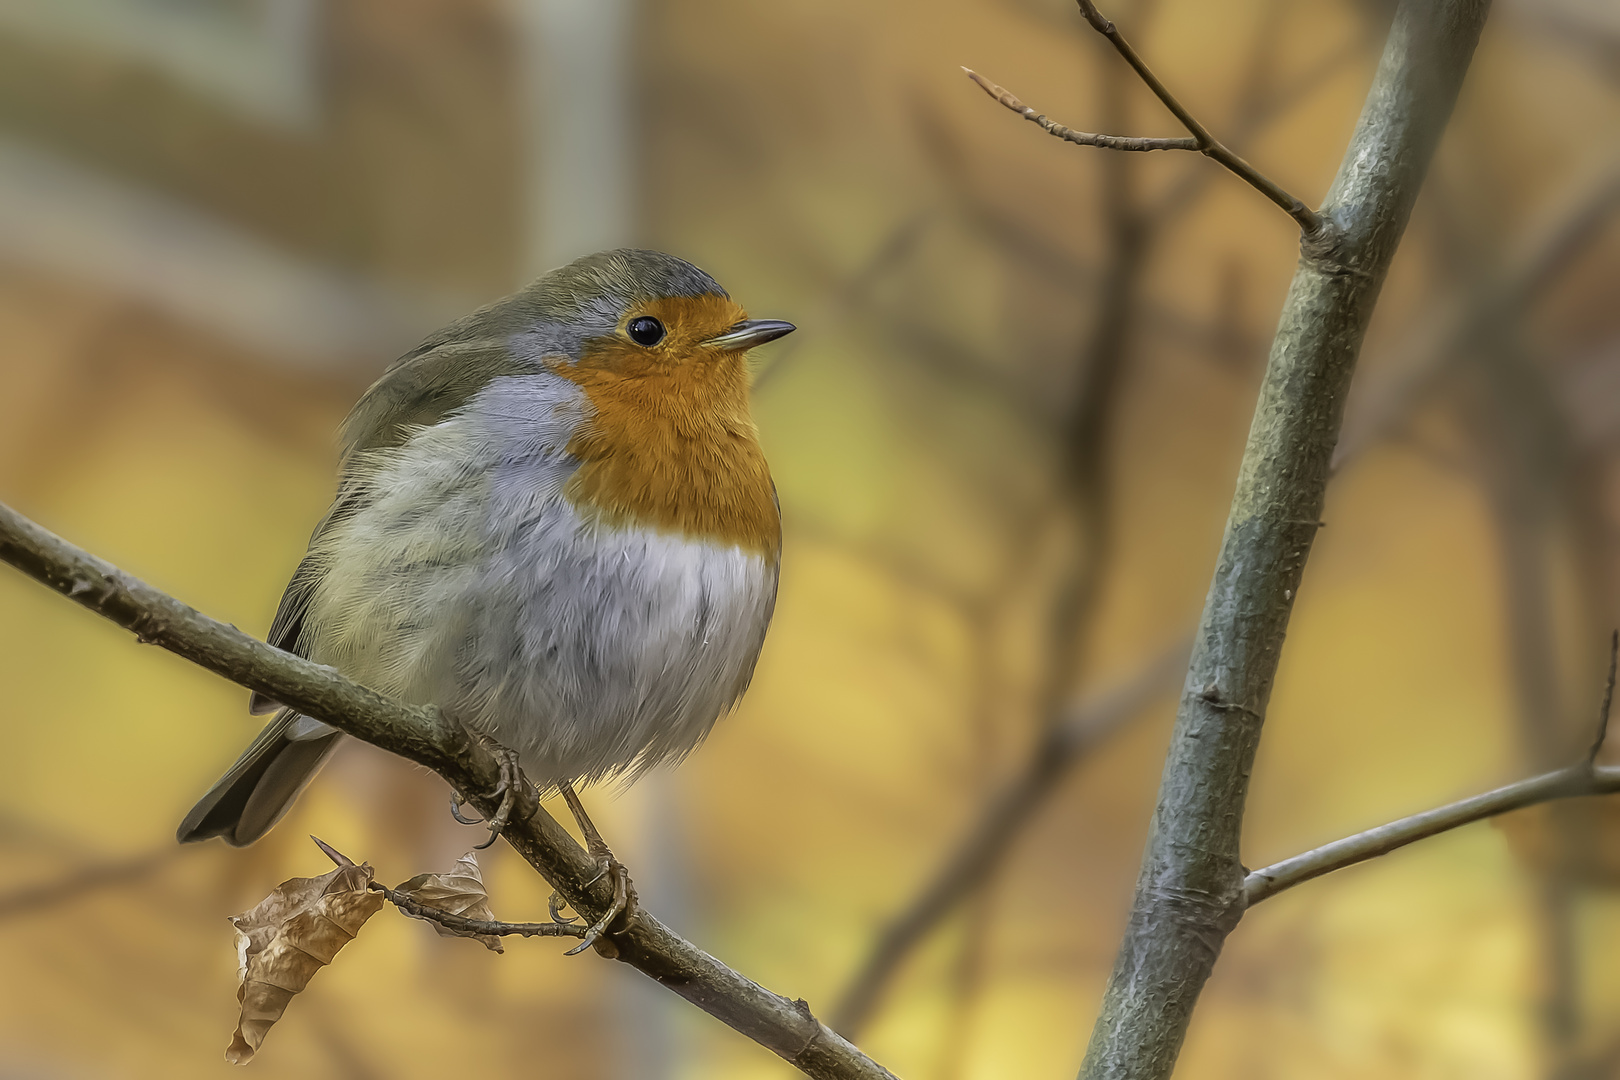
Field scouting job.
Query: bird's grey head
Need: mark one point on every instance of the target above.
(591, 299)
(587, 298)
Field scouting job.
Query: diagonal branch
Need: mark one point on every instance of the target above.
(1584, 777)
(427, 737)
(1257, 110)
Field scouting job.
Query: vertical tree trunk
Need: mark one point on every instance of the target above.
(1189, 894)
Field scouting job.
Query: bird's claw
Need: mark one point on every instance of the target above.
(624, 902)
(457, 801)
(507, 789)
(556, 904)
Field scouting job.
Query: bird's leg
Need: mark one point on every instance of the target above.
(624, 894)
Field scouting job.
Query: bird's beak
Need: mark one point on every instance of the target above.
(751, 332)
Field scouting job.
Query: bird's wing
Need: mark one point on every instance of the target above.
(286, 629)
(421, 388)
(425, 386)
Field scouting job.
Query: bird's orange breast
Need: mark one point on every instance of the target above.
(668, 443)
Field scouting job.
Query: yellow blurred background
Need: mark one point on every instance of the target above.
(1020, 387)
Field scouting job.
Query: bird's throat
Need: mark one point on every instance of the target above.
(674, 451)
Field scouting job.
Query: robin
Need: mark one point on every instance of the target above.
(554, 522)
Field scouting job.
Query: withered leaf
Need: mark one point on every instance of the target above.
(458, 891)
(291, 934)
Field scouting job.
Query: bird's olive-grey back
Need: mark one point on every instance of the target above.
(552, 317)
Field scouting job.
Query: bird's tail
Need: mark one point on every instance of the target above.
(263, 783)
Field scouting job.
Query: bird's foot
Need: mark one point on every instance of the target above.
(457, 801)
(624, 892)
(556, 904)
(509, 789)
(624, 903)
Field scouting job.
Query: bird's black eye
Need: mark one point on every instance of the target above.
(646, 330)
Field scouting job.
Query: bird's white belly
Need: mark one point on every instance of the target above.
(469, 581)
(602, 650)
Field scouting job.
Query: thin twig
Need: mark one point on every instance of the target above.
(1572, 781)
(427, 737)
(1069, 134)
(1310, 222)
(460, 924)
(463, 925)
(1584, 777)
(1253, 114)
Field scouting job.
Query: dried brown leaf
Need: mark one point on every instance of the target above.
(458, 891)
(291, 934)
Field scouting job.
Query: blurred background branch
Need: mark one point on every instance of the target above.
(87, 879)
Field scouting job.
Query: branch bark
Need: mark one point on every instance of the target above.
(1190, 894)
(783, 1026)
